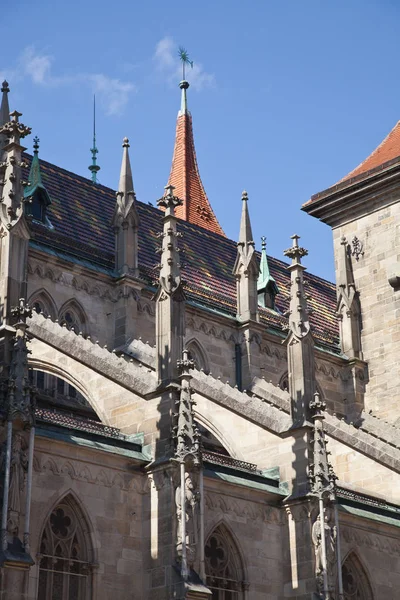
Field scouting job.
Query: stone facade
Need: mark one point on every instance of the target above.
(179, 451)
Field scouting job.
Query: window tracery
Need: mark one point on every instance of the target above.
(73, 317)
(64, 566)
(198, 355)
(223, 570)
(355, 581)
(42, 303)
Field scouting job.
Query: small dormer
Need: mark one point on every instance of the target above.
(35, 192)
(266, 284)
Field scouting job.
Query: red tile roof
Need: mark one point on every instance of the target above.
(387, 150)
(185, 177)
(81, 214)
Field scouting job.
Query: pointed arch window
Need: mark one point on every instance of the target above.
(197, 353)
(72, 317)
(355, 581)
(64, 558)
(224, 572)
(42, 303)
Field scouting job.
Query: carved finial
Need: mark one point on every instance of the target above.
(169, 201)
(125, 143)
(263, 242)
(4, 88)
(245, 196)
(186, 363)
(296, 252)
(36, 144)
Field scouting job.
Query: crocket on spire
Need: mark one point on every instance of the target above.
(185, 176)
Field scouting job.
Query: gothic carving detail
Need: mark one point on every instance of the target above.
(241, 508)
(43, 463)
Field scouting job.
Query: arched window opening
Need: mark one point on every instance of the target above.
(54, 392)
(64, 557)
(42, 303)
(355, 581)
(198, 355)
(72, 317)
(224, 572)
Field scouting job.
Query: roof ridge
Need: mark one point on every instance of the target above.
(358, 169)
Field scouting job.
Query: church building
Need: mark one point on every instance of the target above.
(222, 425)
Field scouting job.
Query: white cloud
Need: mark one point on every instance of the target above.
(166, 54)
(167, 62)
(113, 94)
(35, 65)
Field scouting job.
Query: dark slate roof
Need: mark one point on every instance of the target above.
(81, 213)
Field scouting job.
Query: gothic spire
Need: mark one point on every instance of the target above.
(246, 267)
(126, 219)
(4, 113)
(186, 432)
(185, 176)
(300, 343)
(170, 297)
(20, 400)
(266, 284)
(12, 191)
(322, 481)
(94, 167)
(348, 307)
(299, 324)
(321, 474)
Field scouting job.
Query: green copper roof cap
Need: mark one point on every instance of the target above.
(265, 279)
(35, 176)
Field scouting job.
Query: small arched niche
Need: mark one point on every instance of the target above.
(224, 566)
(65, 554)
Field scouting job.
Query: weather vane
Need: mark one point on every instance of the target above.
(184, 57)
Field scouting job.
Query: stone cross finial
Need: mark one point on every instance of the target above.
(36, 144)
(263, 242)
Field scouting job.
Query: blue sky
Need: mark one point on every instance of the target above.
(286, 97)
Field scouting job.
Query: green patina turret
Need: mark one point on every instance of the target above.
(266, 284)
(35, 191)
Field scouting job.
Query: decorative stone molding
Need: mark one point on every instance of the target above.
(243, 508)
(380, 543)
(211, 330)
(43, 463)
(81, 283)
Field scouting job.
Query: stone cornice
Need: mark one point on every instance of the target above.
(350, 199)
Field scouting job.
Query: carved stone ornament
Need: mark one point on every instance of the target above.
(330, 544)
(18, 468)
(191, 515)
(357, 248)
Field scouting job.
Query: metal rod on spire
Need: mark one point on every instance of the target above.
(94, 167)
(184, 57)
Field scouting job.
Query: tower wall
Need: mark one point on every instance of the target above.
(379, 232)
